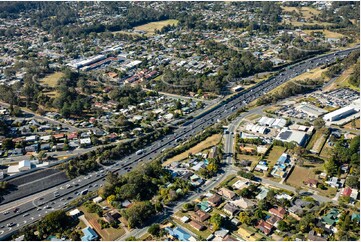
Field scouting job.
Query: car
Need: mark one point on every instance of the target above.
(38, 209)
(90, 186)
(26, 214)
(68, 198)
(10, 224)
(2, 226)
(6, 212)
(16, 210)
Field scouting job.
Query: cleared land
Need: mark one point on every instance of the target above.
(312, 74)
(326, 151)
(326, 33)
(151, 27)
(349, 125)
(52, 80)
(343, 81)
(205, 144)
(300, 174)
(316, 142)
(274, 154)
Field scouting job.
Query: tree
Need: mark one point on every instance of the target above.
(41, 155)
(111, 199)
(283, 226)
(319, 123)
(7, 144)
(244, 218)
(216, 221)
(154, 230)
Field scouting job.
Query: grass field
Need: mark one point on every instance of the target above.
(205, 144)
(151, 27)
(52, 80)
(326, 33)
(274, 154)
(343, 81)
(326, 151)
(313, 74)
(306, 12)
(253, 117)
(125, 32)
(316, 142)
(300, 174)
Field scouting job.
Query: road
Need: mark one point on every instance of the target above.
(228, 149)
(189, 129)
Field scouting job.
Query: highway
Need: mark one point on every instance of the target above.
(31, 210)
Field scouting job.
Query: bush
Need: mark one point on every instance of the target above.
(245, 174)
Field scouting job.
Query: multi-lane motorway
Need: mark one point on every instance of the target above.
(15, 216)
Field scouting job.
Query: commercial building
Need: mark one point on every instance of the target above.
(340, 114)
(310, 110)
(287, 135)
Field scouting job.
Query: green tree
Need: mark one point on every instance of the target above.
(216, 221)
(154, 230)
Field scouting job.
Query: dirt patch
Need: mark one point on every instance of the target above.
(206, 144)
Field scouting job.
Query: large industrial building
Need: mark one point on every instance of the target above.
(287, 135)
(340, 114)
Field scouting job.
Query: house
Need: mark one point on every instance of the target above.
(230, 209)
(204, 206)
(85, 141)
(240, 184)
(59, 136)
(331, 217)
(226, 193)
(97, 199)
(333, 182)
(346, 192)
(312, 236)
(200, 216)
(89, 234)
(31, 138)
(311, 183)
(266, 228)
(196, 225)
(235, 222)
(75, 213)
(45, 147)
(24, 165)
(243, 203)
(111, 217)
(221, 233)
(279, 212)
(213, 152)
(215, 200)
(229, 238)
(262, 195)
(273, 220)
(185, 219)
(178, 234)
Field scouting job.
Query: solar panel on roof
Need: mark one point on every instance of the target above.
(285, 135)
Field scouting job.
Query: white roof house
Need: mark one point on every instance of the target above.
(97, 199)
(74, 212)
(24, 165)
(85, 141)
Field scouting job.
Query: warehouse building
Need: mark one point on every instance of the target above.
(340, 114)
(287, 135)
(310, 110)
